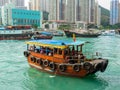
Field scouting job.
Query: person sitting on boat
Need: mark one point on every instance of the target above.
(50, 54)
(42, 50)
(31, 48)
(73, 51)
(81, 57)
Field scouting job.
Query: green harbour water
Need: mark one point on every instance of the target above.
(16, 74)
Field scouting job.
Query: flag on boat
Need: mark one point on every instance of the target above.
(74, 38)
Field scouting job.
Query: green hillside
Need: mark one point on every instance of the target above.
(105, 14)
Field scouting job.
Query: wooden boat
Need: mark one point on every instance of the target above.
(117, 32)
(16, 33)
(42, 35)
(108, 33)
(82, 33)
(62, 58)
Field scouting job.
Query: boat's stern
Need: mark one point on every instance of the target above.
(98, 65)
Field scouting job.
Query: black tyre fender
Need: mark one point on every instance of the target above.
(45, 63)
(40, 61)
(104, 66)
(52, 65)
(62, 67)
(98, 66)
(76, 68)
(26, 53)
(32, 58)
(87, 65)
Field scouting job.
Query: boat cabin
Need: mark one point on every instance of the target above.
(56, 49)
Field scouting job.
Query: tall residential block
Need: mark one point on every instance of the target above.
(3, 2)
(34, 5)
(18, 3)
(6, 13)
(72, 11)
(0, 16)
(97, 14)
(114, 12)
(81, 10)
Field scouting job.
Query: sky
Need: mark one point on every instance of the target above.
(103, 3)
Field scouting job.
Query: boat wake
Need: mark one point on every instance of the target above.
(52, 76)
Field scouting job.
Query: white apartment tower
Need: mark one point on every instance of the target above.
(72, 11)
(3, 2)
(18, 3)
(6, 13)
(114, 12)
(97, 14)
(57, 9)
(0, 16)
(80, 10)
(34, 5)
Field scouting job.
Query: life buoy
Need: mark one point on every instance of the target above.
(76, 68)
(87, 65)
(37, 60)
(98, 66)
(32, 58)
(104, 65)
(26, 53)
(52, 65)
(40, 62)
(45, 63)
(62, 67)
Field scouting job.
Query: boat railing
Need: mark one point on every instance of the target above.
(74, 58)
(93, 55)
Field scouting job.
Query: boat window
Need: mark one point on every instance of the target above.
(37, 49)
(60, 52)
(67, 50)
(31, 48)
(55, 50)
(42, 50)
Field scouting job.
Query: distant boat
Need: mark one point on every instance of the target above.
(42, 35)
(108, 33)
(16, 33)
(82, 33)
(117, 32)
(57, 33)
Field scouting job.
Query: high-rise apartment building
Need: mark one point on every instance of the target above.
(39, 5)
(81, 10)
(57, 9)
(34, 5)
(6, 13)
(72, 11)
(3, 2)
(114, 12)
(18, 3)
(0, 16)
(97, 14)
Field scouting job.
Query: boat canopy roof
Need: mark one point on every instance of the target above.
(62, 44)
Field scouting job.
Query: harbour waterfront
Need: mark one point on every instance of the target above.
(16, 74)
